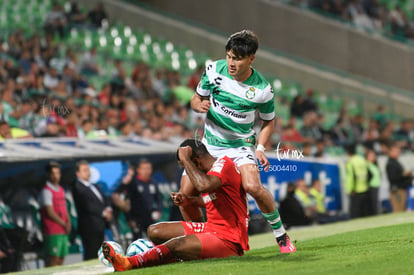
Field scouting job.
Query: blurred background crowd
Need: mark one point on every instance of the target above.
(54, 89)
(392, 17)
(46, 88)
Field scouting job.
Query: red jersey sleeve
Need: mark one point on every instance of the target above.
(219, 168)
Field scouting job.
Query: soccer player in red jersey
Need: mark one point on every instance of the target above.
(224, 234)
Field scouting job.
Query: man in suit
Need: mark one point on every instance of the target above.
(400, 179)
(94, 211)
(291, 210)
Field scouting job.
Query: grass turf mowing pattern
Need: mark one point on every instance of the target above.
(383, 250)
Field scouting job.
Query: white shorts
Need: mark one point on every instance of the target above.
(240, 155)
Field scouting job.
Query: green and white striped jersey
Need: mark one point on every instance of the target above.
(230, 119)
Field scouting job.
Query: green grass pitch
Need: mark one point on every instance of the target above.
(364, 246)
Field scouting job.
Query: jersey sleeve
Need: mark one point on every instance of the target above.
(45, 198)
(267, 108)
(219, 169)
(203, 87)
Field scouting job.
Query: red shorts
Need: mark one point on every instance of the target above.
(212, 246)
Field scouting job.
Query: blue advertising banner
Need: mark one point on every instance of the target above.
(107, 174)
(283, 171)
(410, 199)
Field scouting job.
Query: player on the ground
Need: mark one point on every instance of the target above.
(225, 232)
(231, 92)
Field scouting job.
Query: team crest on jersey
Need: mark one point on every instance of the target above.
(250, 93)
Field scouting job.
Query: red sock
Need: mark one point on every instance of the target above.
(155, 256)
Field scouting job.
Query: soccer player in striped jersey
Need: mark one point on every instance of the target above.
(233, 94)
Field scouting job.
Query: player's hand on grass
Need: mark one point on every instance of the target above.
(264, 162)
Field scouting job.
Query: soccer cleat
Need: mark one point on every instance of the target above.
(285, 244)
(119, 262)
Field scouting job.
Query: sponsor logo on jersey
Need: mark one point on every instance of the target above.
(217, 167)
(251, 93)
(232, 112)
(244, 106)
(209, 197)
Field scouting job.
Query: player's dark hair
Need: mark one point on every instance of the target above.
(80, 163)
(51, 165)
(198, 148)
(243, 43)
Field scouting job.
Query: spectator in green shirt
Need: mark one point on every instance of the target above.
(7, 132)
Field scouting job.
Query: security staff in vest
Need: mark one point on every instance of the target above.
(357, 185)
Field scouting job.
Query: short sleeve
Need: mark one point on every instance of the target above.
(218, 168)
(267, 108)
(203, 87)
(46, 198)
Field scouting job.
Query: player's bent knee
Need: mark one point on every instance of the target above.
(154, 231)
(255, 189)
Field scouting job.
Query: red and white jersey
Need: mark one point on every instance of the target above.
(226, 206)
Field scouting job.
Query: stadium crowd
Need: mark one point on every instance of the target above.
(46, 93)
(39, 100)
(393, 17)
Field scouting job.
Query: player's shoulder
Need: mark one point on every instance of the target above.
(221, 65)
(226, 160)
(221, 163)
(45, 192)
(258, 81)
(217, 67)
